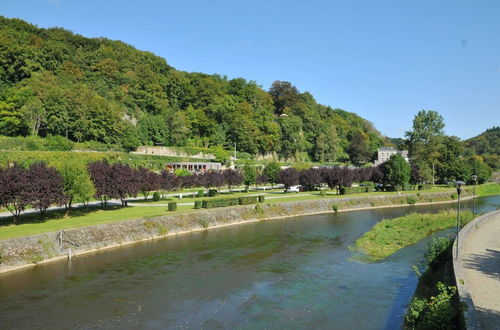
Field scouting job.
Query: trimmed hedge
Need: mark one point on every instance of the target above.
(219, 202)
(261, 198)
(212, 192)
(231, 201)
(354, 190)
(172, 206)
(197, 204)
(424, 186)
(245, 200)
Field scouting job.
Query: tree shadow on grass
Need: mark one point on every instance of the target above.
(34, 217)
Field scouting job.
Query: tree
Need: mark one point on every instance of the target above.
(426, 138)
(288, 177)
(33, 113)
(480, 168)
(358, 149)
(426, 124)
(232, 178)
(397, 171)
(249, 175)
(169, 182)
(45, 187)
(125, 182)
(77, 186)
(284, 94)
(102, 178)
(271, 170)
(148, 181)
(14, 190)
(310, 178)
(261, 179)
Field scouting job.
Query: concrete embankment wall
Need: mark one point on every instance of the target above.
(25, 251)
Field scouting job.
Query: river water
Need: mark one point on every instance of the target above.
(291, 273)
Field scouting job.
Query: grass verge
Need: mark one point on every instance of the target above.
(391, 235)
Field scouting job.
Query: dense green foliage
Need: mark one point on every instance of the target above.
(54, 82)
(438, 157)
(436, 304)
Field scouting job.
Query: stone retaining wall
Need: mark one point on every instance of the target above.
(22, 251)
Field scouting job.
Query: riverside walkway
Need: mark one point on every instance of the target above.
(477, 271)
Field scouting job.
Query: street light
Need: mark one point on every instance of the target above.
(459, 185)
(474, 178)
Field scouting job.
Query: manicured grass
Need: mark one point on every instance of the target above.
(489, 189)
(391, 235)
(81, 217)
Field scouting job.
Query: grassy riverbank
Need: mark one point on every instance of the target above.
(391, 235)
(436, 304)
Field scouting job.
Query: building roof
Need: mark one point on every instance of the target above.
(386, 149)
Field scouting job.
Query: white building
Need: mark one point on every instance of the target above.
(384, 153)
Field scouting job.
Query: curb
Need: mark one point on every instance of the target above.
(470, 314)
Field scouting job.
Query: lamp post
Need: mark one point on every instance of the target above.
(474, 178)
(459, 185)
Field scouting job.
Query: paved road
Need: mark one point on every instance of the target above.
(480, 256)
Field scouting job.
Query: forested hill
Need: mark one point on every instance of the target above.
(59, 83)
(487, 142)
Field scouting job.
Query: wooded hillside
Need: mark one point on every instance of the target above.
(55, 82)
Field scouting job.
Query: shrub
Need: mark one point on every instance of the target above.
(219, 202)
(407, 186)
(156, 196)
(212, 192)
(450, 185)
(454, 196)
(197, 204)
(434, 313)
(261, 198)
(411, 200)
(201, 193)
(436, 250)
(245, 200)
(172, 206)
(335, 208)
(352, 190)
(322, 193)
(58, 143)
(204, 223)
(424, 186)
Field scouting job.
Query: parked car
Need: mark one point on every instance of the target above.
(295, 189)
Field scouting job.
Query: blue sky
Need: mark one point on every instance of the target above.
(384, 60)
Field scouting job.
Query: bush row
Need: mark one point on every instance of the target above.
(230, 201)
(355, 190)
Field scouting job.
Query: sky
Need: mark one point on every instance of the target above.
(384, 60)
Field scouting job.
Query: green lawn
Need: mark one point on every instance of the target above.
(488, 189)
(30, 224)
(81, 217)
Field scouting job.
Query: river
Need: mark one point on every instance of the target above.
(291, 273)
